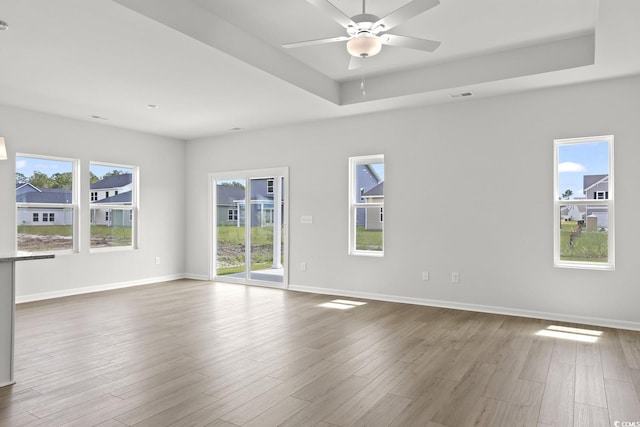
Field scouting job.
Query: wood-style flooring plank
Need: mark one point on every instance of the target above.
(192, 353)
(590, 416)
(559, 395)
(622, 400)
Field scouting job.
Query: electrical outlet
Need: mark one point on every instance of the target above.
(157, 260)
(303, 266)
(455, 277)
(425, 275)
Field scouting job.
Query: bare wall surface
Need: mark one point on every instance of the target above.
(162, 213)
(468, 189)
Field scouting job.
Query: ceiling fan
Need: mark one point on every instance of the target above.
(366, 33)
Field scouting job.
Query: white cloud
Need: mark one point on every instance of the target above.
(21, 164)
(571, 167)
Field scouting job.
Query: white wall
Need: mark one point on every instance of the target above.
(161, 162)
(458, 177)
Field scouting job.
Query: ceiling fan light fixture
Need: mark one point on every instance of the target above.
(364, 46)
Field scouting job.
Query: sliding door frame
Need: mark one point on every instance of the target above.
(247, 175)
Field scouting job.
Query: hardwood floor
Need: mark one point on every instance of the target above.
(190, 353)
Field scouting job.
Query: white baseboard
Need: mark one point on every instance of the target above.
(560, 317)
(196, 277)
(98, 288)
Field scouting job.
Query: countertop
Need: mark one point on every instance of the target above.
(12, 256)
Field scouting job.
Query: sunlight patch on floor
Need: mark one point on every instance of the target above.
(567, 333)
(342, 304)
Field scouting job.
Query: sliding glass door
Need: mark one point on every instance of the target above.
(250, 227)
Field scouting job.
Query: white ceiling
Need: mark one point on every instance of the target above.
(214, 65)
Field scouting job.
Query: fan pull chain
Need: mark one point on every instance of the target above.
(362, 88)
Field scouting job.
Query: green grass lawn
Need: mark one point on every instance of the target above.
(368, 240)
(231, 249)
(110, 236)
(46, 230)
(591, 246)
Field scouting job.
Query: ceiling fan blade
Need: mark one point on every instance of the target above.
(407, 11)
(355, 63)
(409, 42)
(318, 41)
(335, 13)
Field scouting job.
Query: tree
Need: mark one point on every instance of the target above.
(232, 184)
(41, 180)
(62, 180)
(567, 194)
(21, 179)
(112, 173)
(93, 178)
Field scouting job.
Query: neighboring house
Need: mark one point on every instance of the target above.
(597, 187)
(108, 211)
(572, 213)
(366, 179)
(374, 217)
(228, 208)
(42, 215)
(107, 197)
(231, 203)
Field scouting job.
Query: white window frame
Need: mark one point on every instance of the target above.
(133, 208)
(75, 174)
(609, 203)
(270, 186)
(354, 194)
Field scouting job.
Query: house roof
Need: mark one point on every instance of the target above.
(226, 194)
(121, 198)
(589, 181)
(377, 191)
(113, 181)
(46, 195)
(19, 186)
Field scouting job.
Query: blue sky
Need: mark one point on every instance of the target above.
(27, 165)
(101, 170)
(577, 160)
(379, 168)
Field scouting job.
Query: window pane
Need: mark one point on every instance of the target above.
(369, 179)
(230, 231)
(584, 233)
(583, 171)
(111, 200)
(41, 182)
(368, 229)
(110, 227)
(45, 229)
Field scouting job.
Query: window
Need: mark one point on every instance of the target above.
(46, 189)
(601, 195)
(366, 205)
(233, 215)
(584, 203)
(269, 186)
(113, 219)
